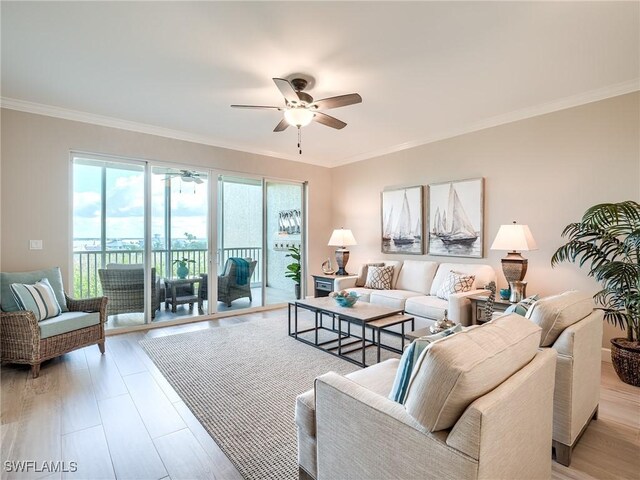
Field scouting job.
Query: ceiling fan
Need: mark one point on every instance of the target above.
(300, 109)
(186, 176)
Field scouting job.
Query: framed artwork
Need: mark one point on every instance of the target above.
(456, 223)
(402, 220)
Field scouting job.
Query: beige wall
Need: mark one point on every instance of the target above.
(544, 172)
(36, 192)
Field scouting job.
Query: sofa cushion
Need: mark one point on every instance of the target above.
(38, 298)
(364, 269)
(455, 282)
(483, 273)
(364, 294)
(392, 298)
(456, 370)
(379, 278)
(409, 358)
(67, 322)
(416, 275)
(554, 314)
(426, 306)
(8, 303)
(377, 378)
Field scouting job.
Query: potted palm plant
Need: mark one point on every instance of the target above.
(607, 241)
(293, 269)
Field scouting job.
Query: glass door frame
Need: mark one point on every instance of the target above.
(217, 223)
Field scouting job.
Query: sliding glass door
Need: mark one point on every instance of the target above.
(179, 241)
(284, 226)
(108, 236)
(240, 253)
(165, 242)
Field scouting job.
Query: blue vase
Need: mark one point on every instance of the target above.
(182, 271)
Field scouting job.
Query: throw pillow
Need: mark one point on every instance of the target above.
(38, 298)
(456, 282)
(364, 270)
(523, 306)
(379, 278)
(409, 358)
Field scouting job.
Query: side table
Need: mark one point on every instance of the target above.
(323, 283)
(171, 295)
(478, 303)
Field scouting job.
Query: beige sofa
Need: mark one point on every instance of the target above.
(414, 287)
(573, 328)
(479, 405)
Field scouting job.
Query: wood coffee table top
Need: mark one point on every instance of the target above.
(361, 311)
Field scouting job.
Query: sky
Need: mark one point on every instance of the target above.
(125, 204)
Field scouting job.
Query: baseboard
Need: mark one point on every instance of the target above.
(606, 355)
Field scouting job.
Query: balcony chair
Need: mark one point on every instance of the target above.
(124, 286)
(25, 340)
(228, 288)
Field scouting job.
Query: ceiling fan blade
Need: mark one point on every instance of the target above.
(281, 126)
(256, 107)
(287, 90)
(198, 180)
(339, 101)
(328, 120)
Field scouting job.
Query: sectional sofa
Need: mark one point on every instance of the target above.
(414, 287)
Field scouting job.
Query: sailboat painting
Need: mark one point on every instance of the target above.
(402, 220)
(456, 218)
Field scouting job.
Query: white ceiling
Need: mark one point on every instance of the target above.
(425, 70)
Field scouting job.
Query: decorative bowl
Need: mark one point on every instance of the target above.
(345, 299)
(505, 293)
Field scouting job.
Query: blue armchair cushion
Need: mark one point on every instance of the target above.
(67, 322)
(8, 302)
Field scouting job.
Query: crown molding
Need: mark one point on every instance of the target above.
(554, 106)
(104, 121)
(529, 112)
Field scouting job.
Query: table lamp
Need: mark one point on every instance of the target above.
(342, 238)
(512, 238)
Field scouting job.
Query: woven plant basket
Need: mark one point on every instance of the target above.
(625, 356)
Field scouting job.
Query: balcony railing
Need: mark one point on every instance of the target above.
(86, 282)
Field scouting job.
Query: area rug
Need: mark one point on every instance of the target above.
(241, 383)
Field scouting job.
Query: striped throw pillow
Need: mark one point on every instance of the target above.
(38, 298)
(523, 306)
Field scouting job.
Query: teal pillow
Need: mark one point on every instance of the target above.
(523, 306)
(409, 358)
(8, 303)
(38, 298)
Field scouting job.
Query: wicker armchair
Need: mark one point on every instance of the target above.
(125, 289)
(228, 289)
(20, 335)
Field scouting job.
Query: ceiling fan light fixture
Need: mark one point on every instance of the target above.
(298, 116)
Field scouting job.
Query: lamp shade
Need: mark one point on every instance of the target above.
(342, 238)
(514, 237)
(298, 116)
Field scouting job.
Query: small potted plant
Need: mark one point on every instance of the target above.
(183, 268)
(294, 269)
(607, 241)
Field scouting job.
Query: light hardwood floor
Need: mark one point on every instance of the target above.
(117, 417)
